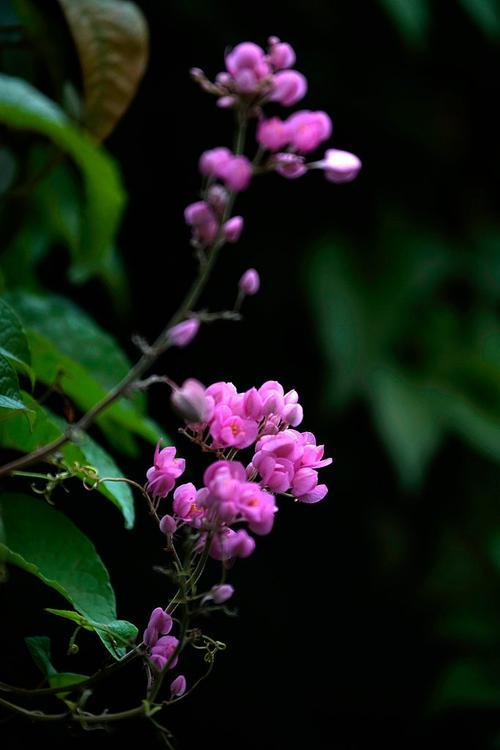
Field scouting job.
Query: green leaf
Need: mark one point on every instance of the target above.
(45, 543)
(70, 349)
(40, 650)
(25, 108)
(18, 434)
(10, 395)
(474, 425)
(337, 298)
(13, 341)
(52, 366)
(76, 334)
(412, 18)
(112, 42)
(406, 422)
(119, 632)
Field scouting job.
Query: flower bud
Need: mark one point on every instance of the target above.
(233, 228)
(190, 401)
(198, 213)
(183, 333)
(250, 282)
(168, 525)
(340, 166)
(222, 593)
(178, 686)
(289, 87)
(281, 55)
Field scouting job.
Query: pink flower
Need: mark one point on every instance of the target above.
(247, 64)
(203, 221)
(178, 686)
(315, 495)
(228, 428)
(272, 395)
(293, 414)
(229, 543)
(276, 473)
(198, 213)
(290, 166)
(257, 507)
(234, 469)
(272, 134)
(250, 282)
(186, 505)
(236, 172)
(307, 130)
(212, 161)
(162, 476)
(160, 623)
(219, 594)
(281, 54)
(233, 228)
(340, 166)
(221, 392)
(289, 87)
(190, 401)
(183, 333)
(252, 405)
(162, 652)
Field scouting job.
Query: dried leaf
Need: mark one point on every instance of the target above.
(111, 37)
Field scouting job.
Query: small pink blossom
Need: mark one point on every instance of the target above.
(250, 282)
(228, 429)
(257, 507)
(212, 162)
(198, 213)
(229, 544)
(273, 133)
(160, 623)
(281, 55)
(236, 172)
(233, 228)
(162, 652)
(221, 392)
(186, 505)
(166, 470)
(289, 87)
(183, 333)
(288, 165)
(178, 686)
(252, 405)
(307, 130)
(247, 65)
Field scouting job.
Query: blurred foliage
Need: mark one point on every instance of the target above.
(413, 18)
(61, 189)
(417, 335)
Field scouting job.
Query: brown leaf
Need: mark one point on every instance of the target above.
(111, 37)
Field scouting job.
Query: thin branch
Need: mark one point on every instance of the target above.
(160, 346)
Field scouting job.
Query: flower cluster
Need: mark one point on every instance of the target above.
(253, 78)
(162, 647)
(224, 421)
